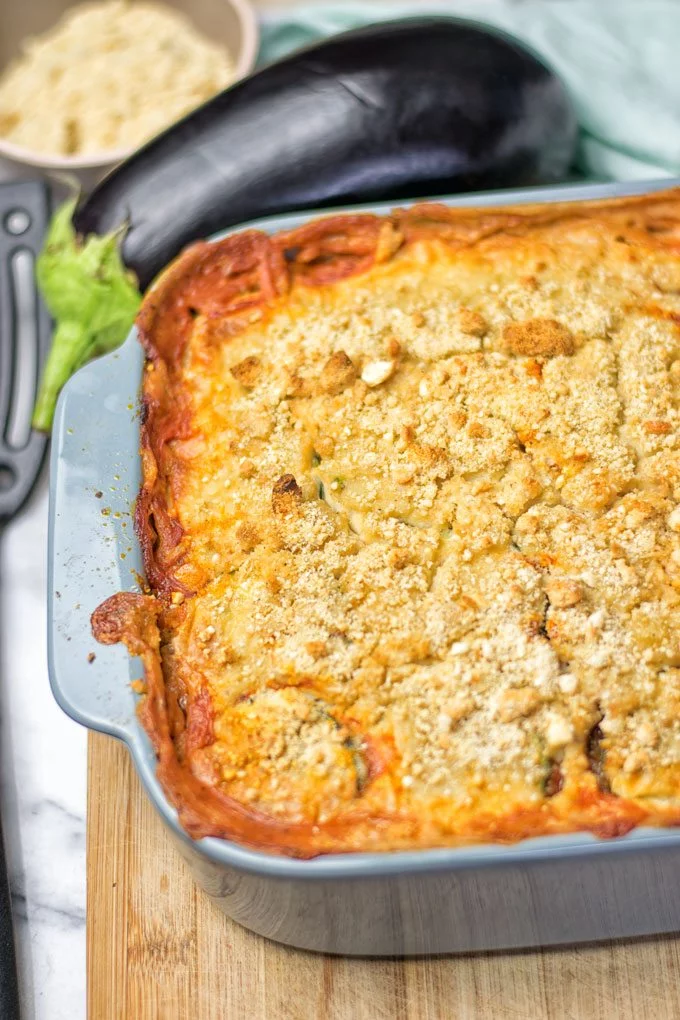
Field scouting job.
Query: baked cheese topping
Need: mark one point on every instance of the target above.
(425, 573)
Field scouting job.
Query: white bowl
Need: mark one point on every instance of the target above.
(231, 22)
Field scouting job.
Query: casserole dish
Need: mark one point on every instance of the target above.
(536, 892)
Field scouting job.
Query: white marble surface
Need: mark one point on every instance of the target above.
(42, 784)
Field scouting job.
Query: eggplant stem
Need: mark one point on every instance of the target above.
(68, 351)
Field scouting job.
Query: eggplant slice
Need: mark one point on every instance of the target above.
(283, 749)
(409, 108)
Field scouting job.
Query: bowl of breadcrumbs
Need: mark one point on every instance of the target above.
(82, 87)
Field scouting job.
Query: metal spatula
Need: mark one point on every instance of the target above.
(24, 337)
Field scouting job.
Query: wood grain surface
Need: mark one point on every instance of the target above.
(159, 950)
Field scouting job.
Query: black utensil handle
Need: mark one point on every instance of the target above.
(9, 985)
(24, 330)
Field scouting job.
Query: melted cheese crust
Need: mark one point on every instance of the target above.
(411, 526)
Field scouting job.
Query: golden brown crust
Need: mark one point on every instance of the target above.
(410, 522)
(538, 338)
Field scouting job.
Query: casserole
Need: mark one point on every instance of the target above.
(408, 889)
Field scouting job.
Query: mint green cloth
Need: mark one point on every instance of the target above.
(619, 59)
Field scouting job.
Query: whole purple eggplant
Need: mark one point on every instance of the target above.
(414, 107)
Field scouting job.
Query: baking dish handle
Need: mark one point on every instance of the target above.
(92, 551)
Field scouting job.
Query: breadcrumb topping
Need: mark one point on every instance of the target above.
(432, 519)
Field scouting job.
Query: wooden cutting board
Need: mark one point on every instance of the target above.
(159, 950)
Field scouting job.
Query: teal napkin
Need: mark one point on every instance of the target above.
(619, 59)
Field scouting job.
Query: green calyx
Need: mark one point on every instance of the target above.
(92, 298)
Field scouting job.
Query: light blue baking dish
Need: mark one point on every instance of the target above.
(538, 892)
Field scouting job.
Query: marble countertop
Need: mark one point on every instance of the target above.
(42, 783)
(43, 778)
